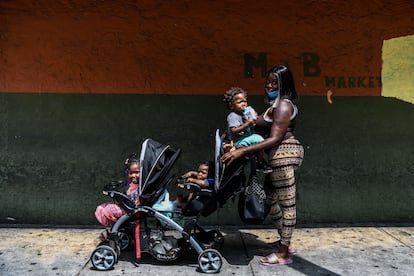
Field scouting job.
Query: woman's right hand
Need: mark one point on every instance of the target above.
(230, 156)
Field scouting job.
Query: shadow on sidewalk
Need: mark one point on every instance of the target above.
(309, 268)
(241, 248)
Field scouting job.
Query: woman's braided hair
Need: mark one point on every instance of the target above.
(229, 95)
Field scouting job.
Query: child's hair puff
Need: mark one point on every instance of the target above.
(132, 159)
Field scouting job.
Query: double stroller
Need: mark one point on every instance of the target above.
(157, 232)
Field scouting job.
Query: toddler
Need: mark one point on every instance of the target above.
(241, 119)
(240, 123)
(108, 213)
(201, 177)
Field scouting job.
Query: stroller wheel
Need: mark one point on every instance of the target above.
(104, 257)
(115, 245)
(124, 240)
(210, 261)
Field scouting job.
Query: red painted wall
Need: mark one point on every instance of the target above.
(195, 47)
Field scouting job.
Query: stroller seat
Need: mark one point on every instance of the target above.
(199, 196)
(228, 183)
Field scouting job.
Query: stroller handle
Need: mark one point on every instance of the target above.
(126, 203)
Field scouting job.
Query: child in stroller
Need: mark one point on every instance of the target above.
(202, 177)
(148, 228)
(108, 213)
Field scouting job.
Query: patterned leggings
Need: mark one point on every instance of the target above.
(281, 190)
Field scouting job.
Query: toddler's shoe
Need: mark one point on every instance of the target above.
(104, 235)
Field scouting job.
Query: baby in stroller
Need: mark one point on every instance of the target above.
(203, 177)
(156, 232)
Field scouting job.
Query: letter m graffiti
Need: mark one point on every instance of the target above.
(251, 61)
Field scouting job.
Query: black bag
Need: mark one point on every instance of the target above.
(252, 205)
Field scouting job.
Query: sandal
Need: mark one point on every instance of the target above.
(275, 245)
(274, 260)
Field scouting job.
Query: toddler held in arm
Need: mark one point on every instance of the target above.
(240, 123)
(241, 119)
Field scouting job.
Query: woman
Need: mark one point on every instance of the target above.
(285, 155)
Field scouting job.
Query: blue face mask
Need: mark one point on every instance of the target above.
(271, 96)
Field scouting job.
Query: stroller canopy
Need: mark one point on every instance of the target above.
(156, 161)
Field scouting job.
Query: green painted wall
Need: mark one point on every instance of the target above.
(57, 152)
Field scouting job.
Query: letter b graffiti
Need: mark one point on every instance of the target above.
(311, 65)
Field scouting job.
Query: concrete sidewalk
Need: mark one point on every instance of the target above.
(376, 250)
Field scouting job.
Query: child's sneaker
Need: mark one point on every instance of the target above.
(263, 167)
(104, 235)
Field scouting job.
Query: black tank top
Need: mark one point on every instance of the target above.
(264, 121)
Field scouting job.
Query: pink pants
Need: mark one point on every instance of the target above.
(108, 213)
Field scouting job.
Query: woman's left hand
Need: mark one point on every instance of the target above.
(230, 156)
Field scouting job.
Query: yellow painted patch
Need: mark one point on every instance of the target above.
(398, 68)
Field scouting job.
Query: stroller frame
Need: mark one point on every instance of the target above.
(193, 236)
